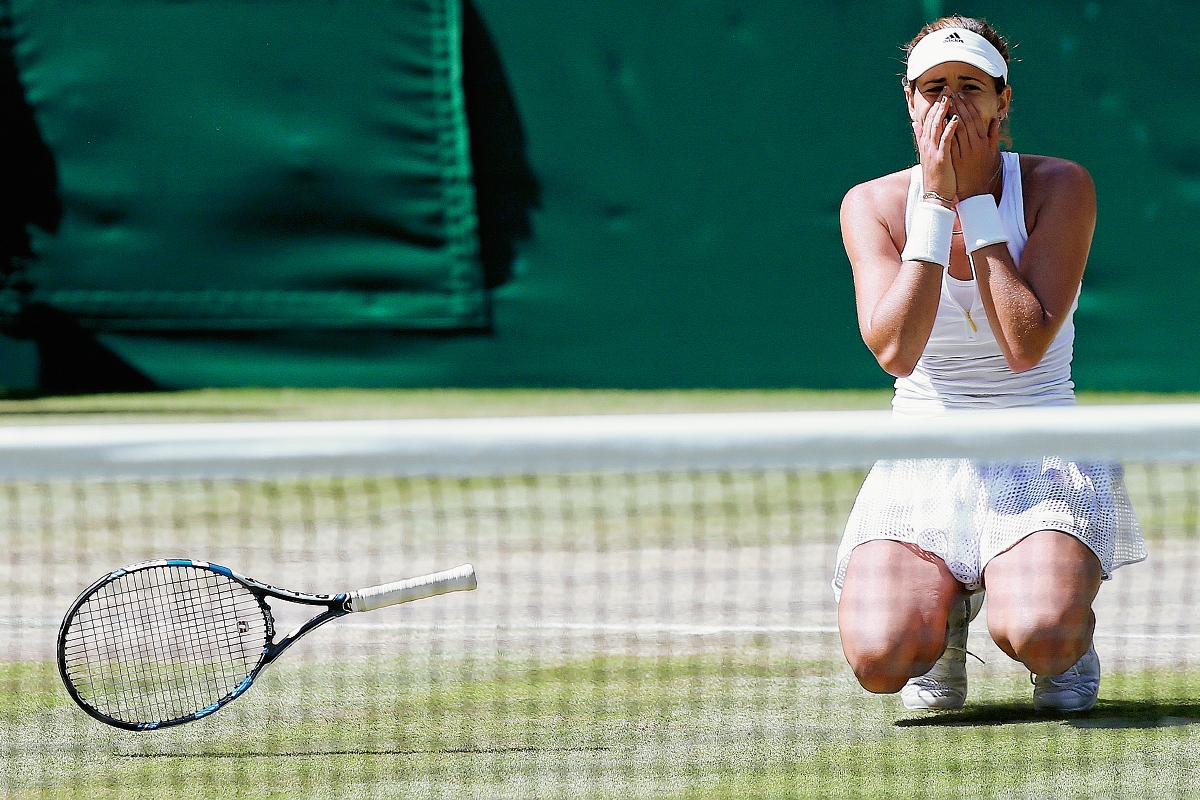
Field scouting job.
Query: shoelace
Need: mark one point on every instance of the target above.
(1067, 678)
(936, 674)
(966, 651)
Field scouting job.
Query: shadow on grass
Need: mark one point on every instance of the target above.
(1106, 714)
(444, 751)
(147, 411)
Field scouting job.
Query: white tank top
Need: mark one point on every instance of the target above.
(962, 365)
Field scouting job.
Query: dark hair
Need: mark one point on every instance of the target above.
(979, 26)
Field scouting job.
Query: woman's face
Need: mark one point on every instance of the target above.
(965, 83)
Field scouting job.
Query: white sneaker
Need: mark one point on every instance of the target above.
(1074, 690)
(944, 687)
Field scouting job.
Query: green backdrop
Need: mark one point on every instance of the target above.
(230, 165)
(692, 156)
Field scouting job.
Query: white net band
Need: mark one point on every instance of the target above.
(629, 443)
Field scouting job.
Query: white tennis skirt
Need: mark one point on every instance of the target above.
(966, 512)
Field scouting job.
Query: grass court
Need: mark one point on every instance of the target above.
(685, 650)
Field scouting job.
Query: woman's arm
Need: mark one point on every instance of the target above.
(1026, 304)
(897, 300)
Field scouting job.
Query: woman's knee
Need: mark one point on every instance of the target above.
(1040, 594)
(892, 613)
(1046, 640)
(882, 662)
(885, 671)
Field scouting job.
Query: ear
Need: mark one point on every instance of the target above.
(1004, 102)
(910, 98)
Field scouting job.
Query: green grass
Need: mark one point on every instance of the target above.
(266, 404)
(744, 720)
(745, 723)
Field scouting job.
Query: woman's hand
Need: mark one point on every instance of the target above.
(935, 137)
(975, 152)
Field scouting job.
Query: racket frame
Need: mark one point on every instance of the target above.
(336, 606)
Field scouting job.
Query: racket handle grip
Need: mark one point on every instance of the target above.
(459, 579)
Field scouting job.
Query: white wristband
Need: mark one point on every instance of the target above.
(929, 233)
(980, 221)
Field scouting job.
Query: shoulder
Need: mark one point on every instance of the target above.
(881, 200)
(880, 193)
(1045, 177)
(1057, 190)
(872, 216)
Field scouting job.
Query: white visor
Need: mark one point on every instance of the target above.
(955, 44)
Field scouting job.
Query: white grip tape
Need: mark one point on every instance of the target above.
(980, 221)
(459, 579)
(929, 233)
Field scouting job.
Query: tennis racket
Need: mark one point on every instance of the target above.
(170, 641)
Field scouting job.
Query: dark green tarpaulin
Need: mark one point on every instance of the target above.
(692, 156)
(233, 165)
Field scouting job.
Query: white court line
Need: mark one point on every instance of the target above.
(29, 622)
(646, 628)
(593, 627)
(660, 628)
(583, 627)
(1100, 635)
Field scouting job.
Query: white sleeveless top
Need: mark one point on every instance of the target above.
(962, 365)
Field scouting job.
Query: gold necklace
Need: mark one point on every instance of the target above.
(996, 174)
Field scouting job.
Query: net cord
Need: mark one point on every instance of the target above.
(483, 447)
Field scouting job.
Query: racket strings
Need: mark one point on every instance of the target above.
(171, 660)
(163, 643)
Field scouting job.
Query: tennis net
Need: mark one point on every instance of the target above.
(654, 614)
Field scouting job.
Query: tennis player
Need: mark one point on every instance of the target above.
(967, 270)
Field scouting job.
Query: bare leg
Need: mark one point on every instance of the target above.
(1040, 594)
(892, 615)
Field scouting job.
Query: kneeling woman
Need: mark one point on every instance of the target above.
(967, 270)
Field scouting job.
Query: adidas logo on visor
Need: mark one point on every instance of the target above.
(953, 37)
